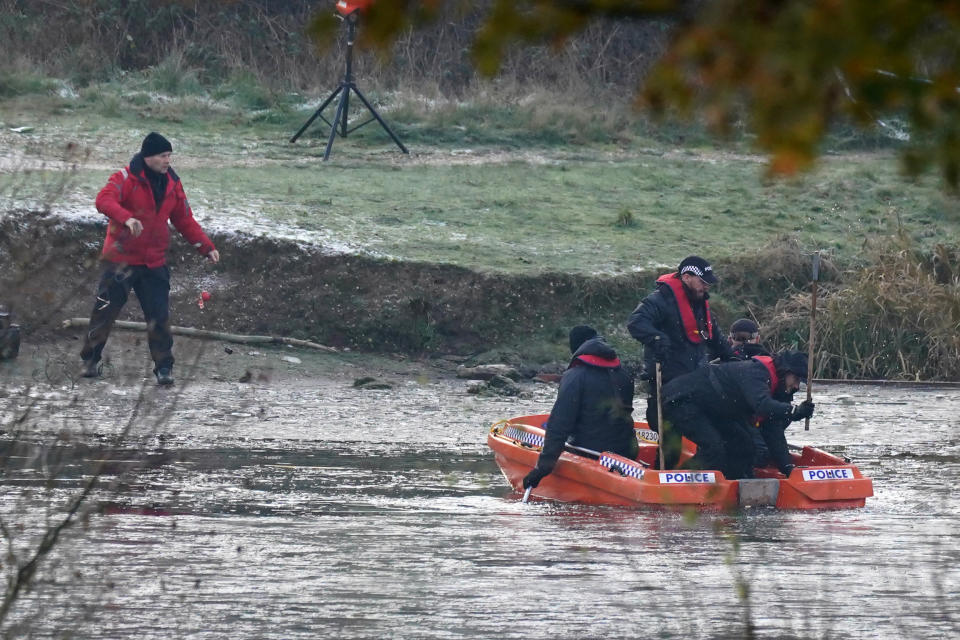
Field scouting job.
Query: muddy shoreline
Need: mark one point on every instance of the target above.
(266, 286)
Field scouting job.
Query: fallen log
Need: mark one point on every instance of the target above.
(203, 333)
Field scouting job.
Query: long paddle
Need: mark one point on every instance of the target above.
(573, 449)
(813, 327)
(582, 451)
(660, 427)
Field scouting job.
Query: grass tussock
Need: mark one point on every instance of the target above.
(174, 77)
(897, 318)
(16, 82)
(625, 218)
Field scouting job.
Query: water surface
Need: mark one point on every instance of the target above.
(305, 508)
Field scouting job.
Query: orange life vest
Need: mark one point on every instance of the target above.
(689, 320)
(767, 361)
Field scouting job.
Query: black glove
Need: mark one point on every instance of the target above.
(802, 411)
(533, 478)
(661, 348)
(786, 469)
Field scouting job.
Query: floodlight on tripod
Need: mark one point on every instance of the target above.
(349, 11)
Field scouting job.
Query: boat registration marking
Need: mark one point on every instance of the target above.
(648, 436)
(688, 477)
(828, 474)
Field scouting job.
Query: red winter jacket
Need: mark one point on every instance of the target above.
(128, 195)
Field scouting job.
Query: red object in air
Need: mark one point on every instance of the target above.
(346, 7)
(205, 295)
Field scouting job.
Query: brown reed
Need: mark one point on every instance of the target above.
(896, 317)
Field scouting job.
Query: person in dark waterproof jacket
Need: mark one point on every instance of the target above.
(744, 339)
(715, 405)
(594, 406)
(676, 327)
(139, 200)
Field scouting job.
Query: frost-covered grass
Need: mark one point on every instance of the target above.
(494, 186)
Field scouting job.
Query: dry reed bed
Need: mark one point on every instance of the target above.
(92, 41)
(896, 317)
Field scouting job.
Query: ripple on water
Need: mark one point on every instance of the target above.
(329, 511)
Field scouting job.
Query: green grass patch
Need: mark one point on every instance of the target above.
(496, 193)
(21, 83)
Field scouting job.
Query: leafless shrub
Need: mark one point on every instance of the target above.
(95, 40)
(760, 278)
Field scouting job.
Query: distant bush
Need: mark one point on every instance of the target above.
(580, 93)
(247, 93)
(88, 40)
(172, 76)
(760, 276)
(18, 83)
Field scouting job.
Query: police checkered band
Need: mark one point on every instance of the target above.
(625, 468)
(695, 270)
(522, 436)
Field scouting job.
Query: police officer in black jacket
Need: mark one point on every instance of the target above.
(677, 330)
(745, 339)
(594, 405)
(714, 406)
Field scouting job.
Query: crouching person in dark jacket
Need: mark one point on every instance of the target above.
(714, 406)
(594, 407)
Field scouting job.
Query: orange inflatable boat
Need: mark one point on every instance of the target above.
(819, 481)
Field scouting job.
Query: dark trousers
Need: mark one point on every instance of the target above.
(651, 413)
(722, 444)
(152, 286)
(761, 454)
(672, 440)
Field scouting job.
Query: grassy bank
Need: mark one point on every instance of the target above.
(513, 189)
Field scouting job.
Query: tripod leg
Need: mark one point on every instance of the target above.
(341, 113)
(346, 110)
(316, 114)
(379, 119)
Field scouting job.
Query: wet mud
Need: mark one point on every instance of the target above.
(291, 289)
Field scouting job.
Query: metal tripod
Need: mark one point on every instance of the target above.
(339, 124)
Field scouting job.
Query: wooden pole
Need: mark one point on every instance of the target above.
(661, 431)
(203, 333)
(813, 328)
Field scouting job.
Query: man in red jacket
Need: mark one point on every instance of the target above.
(139, 200)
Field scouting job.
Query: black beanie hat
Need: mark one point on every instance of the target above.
(579, 335)
(790, 361)
(744, 325)
(154, 144)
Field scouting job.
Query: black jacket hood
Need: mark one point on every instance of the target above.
(597, 348)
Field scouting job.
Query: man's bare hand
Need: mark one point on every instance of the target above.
(214, 256)
(135, 226)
